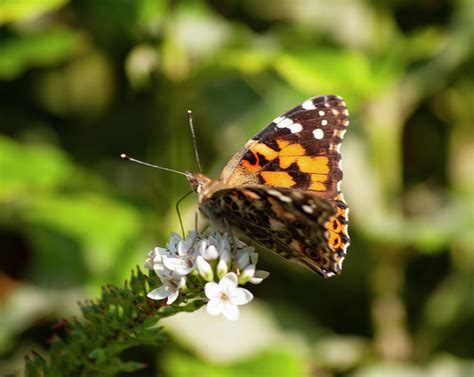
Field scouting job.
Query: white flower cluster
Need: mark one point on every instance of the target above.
(209, 263)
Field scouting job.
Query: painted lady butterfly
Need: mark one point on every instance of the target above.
(283, 188)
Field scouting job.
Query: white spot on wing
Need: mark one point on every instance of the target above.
(321, 113)
(308, 105)
(273, 192)
(285, 198)
(279, 195)
(307, 208)
(278, 119)
(288, 123)
(324, 122)
(295, 127)
(318, 133)
(284, 123)
(338, 186)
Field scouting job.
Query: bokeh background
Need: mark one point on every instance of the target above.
(83, 81)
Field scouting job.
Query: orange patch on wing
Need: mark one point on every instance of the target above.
(341, 212)
(319, 178)
(315, 185)
(264, 150)
(285, 162)
(277, 178)
(296, 153)
(335, 225)
(293, 150)
(308, 164)
(334, 240)
(282, 143)
(251, 167)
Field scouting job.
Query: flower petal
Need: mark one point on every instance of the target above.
(228, 282)
(225, 256)
(172, 297)
(240, 296)
(222, 268)
(210, 253)
(215, 306)
(212, 290)
(230, 311)
(174, 263)
(259, 276)
(204, 268)
(243, 259)
(181, 282)
(159, 293)
(181, 266)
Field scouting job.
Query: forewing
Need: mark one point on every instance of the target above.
(299, 150)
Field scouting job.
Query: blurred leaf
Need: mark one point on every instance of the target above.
(23, 10)
(28, 168)
(346, 73)
(269, 363)
(82, 217)
(43, 48)
(100, 225)
(84, 86)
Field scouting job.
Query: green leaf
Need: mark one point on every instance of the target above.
(40, 49)
(23, 10)
(346, 73)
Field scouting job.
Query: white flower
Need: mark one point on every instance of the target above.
(225, 296)
(224, 263)
(208, 251)
(177, 246)
(171, 284)
(204, 268)
(183, 261)
(155, 260)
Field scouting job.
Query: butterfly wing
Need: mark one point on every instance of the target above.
(289, 222)
(299, 151)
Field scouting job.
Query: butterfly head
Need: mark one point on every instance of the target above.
(199, 183)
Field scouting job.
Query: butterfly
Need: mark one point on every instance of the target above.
(283, 188)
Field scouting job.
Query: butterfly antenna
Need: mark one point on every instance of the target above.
(191, 127)
(125, 157)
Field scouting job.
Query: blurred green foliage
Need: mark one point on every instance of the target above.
(83, 81)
